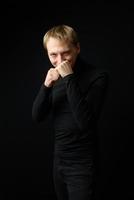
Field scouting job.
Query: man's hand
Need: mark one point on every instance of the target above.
(64, 68)
(52, 76)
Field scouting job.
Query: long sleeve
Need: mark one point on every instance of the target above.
(42, 104)
(85, 107)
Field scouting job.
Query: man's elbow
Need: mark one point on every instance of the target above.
(36, 117)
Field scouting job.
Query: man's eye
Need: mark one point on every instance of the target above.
(53, 55)
(66, 53)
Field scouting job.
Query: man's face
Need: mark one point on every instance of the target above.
(59, 51)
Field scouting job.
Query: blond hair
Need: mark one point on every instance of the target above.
(61, 32)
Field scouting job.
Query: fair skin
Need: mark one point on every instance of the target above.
(62, 55)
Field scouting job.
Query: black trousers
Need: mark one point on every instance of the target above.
(74, 180)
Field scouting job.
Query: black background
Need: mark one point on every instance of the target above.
(106, 37)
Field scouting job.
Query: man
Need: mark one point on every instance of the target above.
(73, 91)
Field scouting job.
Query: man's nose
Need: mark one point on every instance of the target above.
(60, 58)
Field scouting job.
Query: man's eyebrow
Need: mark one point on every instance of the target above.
(52, 52)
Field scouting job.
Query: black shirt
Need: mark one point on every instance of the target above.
(75, 103)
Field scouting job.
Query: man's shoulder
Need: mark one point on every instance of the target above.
(93, 72)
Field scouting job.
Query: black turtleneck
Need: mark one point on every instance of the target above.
(75, 103)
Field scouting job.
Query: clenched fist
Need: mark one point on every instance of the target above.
(64, 68)
(51, 77)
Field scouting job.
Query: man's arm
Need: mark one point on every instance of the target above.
(41, 104)
(43, 101)
(85, 107)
